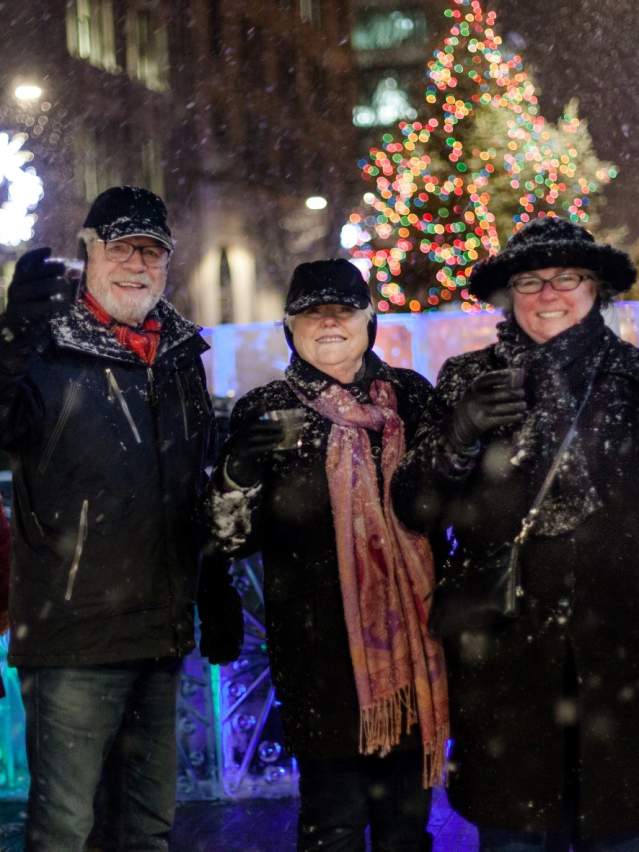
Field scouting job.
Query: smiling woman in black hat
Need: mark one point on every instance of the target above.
(539, 449)
(305, 478)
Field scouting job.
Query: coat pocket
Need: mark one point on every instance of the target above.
(70, 403)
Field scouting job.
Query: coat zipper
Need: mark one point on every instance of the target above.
(70, 397)
(114, 390)
(182, 396)
(150, 378)
(79, 547)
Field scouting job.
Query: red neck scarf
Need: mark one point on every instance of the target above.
(143, 341)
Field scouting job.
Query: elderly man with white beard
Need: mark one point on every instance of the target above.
(105, 415)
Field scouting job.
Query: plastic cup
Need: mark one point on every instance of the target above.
(292, 422)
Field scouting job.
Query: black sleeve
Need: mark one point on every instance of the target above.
(220, 610)
(416, 400)
(20, 403)
(429, 472)
(211, 446)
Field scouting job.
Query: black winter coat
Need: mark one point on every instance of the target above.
(108, 460)
(507, 687)
(289, 519)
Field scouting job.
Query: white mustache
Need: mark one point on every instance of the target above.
(139, 278)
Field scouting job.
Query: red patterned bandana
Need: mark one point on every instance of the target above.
(143, 341)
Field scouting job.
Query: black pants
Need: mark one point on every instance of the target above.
(340, 797)
(566, 837)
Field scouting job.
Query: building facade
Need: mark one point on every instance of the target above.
(236, 113)
(392, 42)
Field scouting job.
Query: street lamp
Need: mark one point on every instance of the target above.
(316, 202)
(27, 92)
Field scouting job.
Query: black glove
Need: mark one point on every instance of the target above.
(492, 400)
(220, 609)
(39, 290)
(249, 448)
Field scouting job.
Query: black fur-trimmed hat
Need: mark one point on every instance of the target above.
(129, 211)
(552, 241)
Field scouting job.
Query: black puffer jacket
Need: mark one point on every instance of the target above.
(508, 687)
(108, 458)
(289, 519)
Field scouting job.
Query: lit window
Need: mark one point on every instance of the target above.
(6, 274)
(310, 11)
(388, 105)
(152, 169)
(96, 167)
(378, 30)
(91, 32)
(147, 53)
(226, 288)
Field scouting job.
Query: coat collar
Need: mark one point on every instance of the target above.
(78, 330)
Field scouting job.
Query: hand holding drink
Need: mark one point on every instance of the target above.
(291, 421)
(492, 400)
(275, 431)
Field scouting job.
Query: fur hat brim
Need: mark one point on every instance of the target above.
(614, 267)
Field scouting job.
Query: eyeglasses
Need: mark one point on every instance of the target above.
(561, 282)
(152, 256)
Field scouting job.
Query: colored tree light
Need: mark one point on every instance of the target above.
(22, 187)
(449, 187)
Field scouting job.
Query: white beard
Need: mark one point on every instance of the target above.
(131, 309)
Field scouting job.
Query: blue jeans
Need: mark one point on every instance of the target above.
(500, 840)
(76, 718)
(340, 797)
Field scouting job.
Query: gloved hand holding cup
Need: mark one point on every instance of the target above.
(275, 431)
(493, 399)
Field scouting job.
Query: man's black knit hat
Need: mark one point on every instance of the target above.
(326, 282)
(548, 242)
(129, 211)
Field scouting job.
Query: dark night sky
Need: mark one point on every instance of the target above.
(587, 49)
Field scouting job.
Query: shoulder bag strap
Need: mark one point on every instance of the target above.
(529, 521)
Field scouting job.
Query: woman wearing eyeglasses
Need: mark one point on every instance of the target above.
(543, 705)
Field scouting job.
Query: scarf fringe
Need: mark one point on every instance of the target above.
(435, 752)
(382, 724)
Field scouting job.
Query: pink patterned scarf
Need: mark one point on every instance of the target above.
(386, 576)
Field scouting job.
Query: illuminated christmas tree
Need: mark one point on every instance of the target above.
(478, 163)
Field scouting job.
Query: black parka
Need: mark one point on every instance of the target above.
(108, 459)
(288, 517)
(508, 686)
